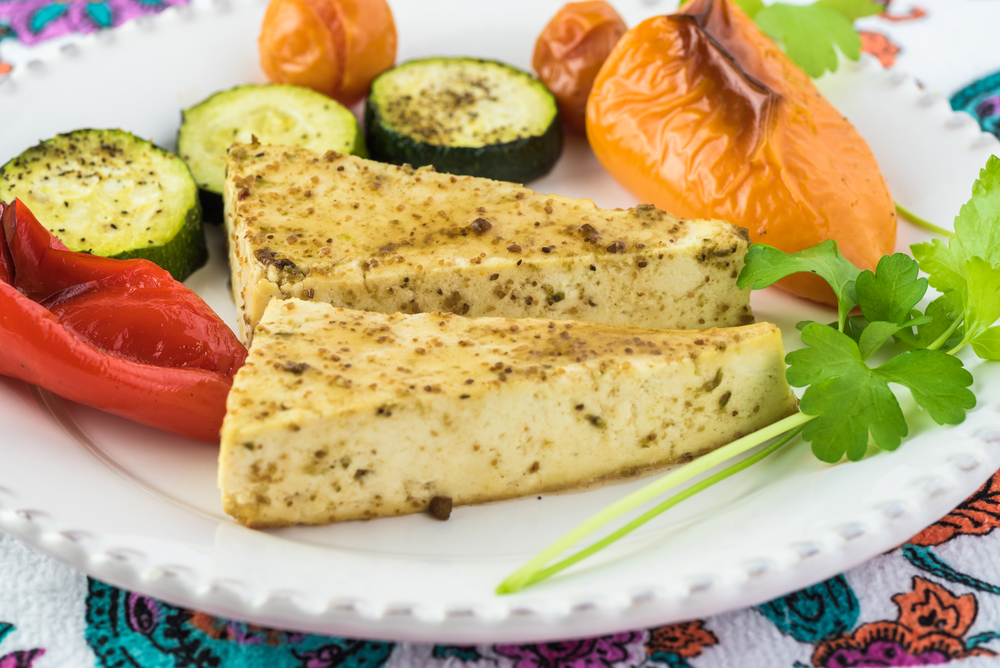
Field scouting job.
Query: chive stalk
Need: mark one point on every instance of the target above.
(920, 222)
(537, 569)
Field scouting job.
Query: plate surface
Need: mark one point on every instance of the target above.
(139, 508)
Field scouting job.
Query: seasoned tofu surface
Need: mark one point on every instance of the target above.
(341, 414)
(364, 235)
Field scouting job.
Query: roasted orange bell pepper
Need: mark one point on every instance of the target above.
(704, 116)
(118, 335)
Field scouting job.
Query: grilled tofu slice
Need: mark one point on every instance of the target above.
(369, 236)
(341, 414)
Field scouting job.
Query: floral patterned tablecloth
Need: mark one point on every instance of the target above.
(933, 600)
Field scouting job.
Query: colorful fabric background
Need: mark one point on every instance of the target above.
(934, 600)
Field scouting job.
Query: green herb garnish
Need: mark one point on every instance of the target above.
(921, 222)
(846, 400)
(812, 34)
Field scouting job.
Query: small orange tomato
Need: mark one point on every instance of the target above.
(335, 47)
(570, 52)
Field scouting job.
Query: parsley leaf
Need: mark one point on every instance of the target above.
(850, 400)
(749, 7)
(877, 333)
(939, 312)
(830, 354)
(848, 408)
(982, 303)
(847, 398)
(976, 224)
(977, 234)
(892, 291)
(874, 336)
(945, 268)
(987, 344)
(853, 10)
(853, 327)
(967, 270)
(938, 382)
(809, 33)
(766, 265)
(812, 33)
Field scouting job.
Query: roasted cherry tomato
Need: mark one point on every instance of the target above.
(701, 114)
(335, 47)
(570, 52)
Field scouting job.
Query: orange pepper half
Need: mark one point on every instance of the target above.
(702, 115)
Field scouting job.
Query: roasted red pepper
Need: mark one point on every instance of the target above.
(118, 335)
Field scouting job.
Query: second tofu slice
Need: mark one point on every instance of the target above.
(343, 414)
(369, 236)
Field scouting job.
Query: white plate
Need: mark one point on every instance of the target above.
(139, 509)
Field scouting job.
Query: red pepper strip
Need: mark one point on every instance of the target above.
(118, 335)
(6, 262)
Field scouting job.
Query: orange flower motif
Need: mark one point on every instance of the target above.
(687, 640)
(928, 630)
(879, 46)
(890, 644)
(912, 15)
(930, 608)
(223, 629)
(978, 515)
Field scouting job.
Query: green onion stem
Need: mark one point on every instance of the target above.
(920, 222)
(545, 573)
(526, 574)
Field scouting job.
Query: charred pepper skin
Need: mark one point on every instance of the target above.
(119, 335)
(703, 115)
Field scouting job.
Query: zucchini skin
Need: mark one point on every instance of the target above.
(212, 207)
(182, 253)
(185, 253)
(215, 113)
(518, 161)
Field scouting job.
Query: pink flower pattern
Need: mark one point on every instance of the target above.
(34, 21)
(21, 659)
(583, 653)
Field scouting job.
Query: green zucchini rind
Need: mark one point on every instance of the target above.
(464, 116)
(110, 193)
(273, 113)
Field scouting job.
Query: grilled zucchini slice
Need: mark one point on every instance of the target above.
(273, 113)
(110, 193)
(464, 116)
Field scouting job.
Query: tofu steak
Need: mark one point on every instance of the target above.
(342, 415)
(369, 236)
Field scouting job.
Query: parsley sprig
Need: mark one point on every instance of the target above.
(847, 400)
(812, 34)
